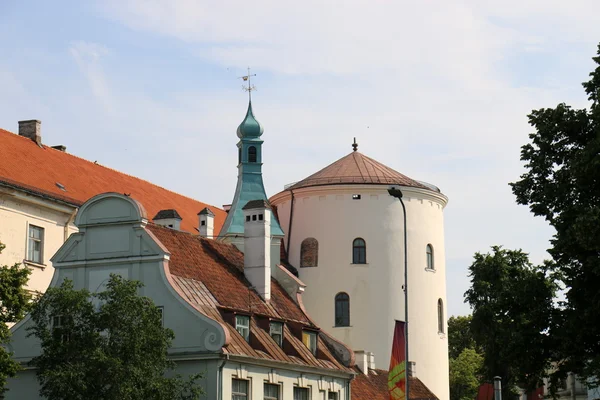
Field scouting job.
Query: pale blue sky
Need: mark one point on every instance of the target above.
(437, 90)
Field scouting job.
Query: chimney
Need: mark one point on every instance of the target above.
(412, 369)
(31, 129)
(168, 218)
(257, 246)
(362, 361)
(206, 219)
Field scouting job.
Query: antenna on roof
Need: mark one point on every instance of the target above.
(250, 87)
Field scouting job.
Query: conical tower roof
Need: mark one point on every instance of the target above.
(356, 168)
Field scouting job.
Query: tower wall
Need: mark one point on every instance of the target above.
(331, 216)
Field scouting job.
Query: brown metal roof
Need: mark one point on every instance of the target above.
(356, 168)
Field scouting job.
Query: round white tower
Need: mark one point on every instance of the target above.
(345, 234)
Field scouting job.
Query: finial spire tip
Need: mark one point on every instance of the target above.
(354, 145)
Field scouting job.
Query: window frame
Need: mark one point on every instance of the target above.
(271, 333)
(340, 298)
(440, 315)
(304, 390)
(267, 384)
(430, 257)
(312, 345)
(233, 393)
(31, 240)
(239, 326)
(335, 396)
(359, 250)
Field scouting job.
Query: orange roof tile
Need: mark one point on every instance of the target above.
(210, 275)
(374, 386)
(356, 168)
(39, 170)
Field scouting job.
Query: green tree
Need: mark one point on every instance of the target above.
(562, 184)
(464, 374)
(109, 345)
(14, 303)
(513, 311)
(460, 336)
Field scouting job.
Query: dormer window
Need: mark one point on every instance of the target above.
(242, 325)
(309, 338)
(276, 332)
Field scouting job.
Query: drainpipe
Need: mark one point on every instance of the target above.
(220, 378)
(69, 222)
(290, 224)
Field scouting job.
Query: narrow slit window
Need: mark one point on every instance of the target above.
(252, 154)
(429, 251)
(359, 251)
(440, 306)
(342, 309)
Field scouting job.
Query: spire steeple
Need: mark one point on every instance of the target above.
(250, 183)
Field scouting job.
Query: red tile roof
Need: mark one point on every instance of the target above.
(375, 387)
(209, 274)
(39, 170)
(356, 168)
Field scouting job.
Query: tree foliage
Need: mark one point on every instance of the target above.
(460, 336)
(464, 374)
(14, 303)
(466, 359)
(512, 305)
(562, 184)
(109, 345)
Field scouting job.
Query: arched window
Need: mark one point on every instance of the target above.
(342, 309)
(429, 250)
(309, 253)
(440, 316)
(359, 251)
(239, 155)
(251, 154)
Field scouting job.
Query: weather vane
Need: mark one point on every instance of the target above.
(250, 87)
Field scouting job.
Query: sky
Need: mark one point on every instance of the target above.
(438, 90)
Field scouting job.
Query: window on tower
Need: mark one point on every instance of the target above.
(359, 251)
(429, 251)
(251, 154)
(440, 306)
(309, 253)
(342, 309)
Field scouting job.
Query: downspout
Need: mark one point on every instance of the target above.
(220, 378)
(290, 224)
(69, 222)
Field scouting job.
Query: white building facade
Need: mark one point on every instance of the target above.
(345, 235)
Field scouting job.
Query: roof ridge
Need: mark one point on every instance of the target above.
(115, 170)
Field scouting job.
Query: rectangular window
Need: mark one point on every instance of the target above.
(301, 393)
(276, 331)
(242, 325)
(271, 392)
(59, 329)
(332, 396)
(310, 340)
(35, 251)
(239, 389)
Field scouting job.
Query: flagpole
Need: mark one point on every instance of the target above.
(397, 193)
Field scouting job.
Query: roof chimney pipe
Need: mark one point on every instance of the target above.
(257, 246)
(31, 129)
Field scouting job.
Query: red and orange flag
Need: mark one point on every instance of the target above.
(397, 375)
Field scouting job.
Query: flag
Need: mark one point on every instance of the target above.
(397, 375)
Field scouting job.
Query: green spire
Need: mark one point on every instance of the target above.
(250, 127)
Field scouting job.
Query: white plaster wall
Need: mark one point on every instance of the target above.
(330, 215)
(16, 213)
(287, 379)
